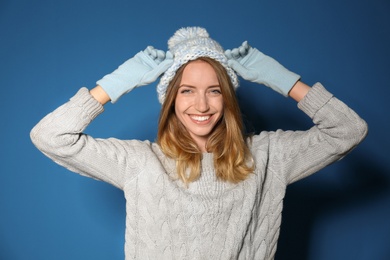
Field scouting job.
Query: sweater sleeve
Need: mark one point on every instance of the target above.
(59, 135)
(337, 130)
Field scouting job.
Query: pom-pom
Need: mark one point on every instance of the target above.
(184, 34)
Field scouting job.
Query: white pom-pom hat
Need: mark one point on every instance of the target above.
(189, 44)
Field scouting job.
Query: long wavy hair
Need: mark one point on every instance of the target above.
(233, 161)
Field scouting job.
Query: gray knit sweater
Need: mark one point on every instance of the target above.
(210, 219)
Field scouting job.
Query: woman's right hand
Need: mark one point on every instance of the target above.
(144, 68)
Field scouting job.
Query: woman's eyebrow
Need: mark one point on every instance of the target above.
(187, 86)
(190, 86)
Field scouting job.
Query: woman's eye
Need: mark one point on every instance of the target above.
(216, 91)
(185, 91)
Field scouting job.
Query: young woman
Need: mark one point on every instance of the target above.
(203, 190)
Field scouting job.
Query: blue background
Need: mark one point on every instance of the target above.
(49, 49)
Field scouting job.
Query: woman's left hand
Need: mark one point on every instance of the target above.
(253, 65)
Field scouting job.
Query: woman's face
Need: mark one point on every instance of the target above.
(199, 102)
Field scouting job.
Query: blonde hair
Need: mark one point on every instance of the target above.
(232, 158)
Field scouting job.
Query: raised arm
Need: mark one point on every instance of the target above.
(60, 135)
(336, 131)
(296, 154)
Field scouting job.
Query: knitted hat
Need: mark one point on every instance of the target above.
(189, 44)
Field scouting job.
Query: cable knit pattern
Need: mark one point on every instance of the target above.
(210, 219)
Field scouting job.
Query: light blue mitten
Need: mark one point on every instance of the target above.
(144, 68)
(253, 65)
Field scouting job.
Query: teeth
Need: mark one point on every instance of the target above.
(200, 118)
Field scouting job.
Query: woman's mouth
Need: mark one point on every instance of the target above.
(200, 119)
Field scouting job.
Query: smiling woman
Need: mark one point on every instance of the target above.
(204, 104)
(204, 190)
(199, 102)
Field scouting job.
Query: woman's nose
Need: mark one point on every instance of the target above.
(201, 104)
